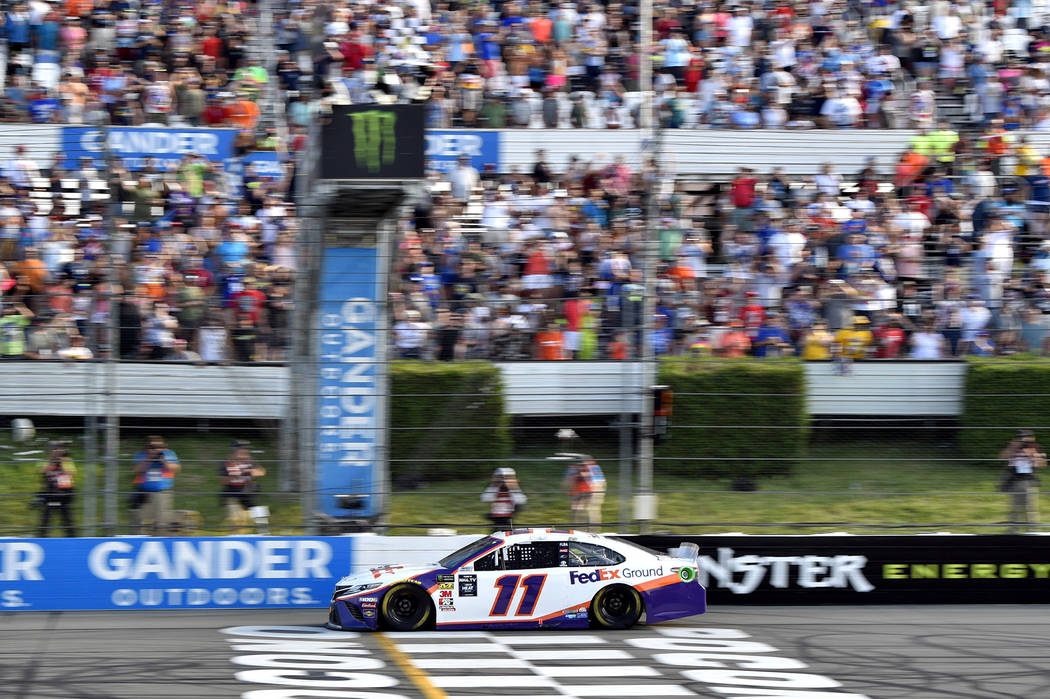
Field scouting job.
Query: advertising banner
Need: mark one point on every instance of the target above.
(134, 145)
(349, 414)
(373, 141)
(444, 149)
(170, 573)
(868, 569)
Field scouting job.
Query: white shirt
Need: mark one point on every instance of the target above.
(926, 345)
(972, 319)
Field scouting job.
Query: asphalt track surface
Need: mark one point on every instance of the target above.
(913, 652)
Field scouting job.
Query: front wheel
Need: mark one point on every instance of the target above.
(616, 607)
(405, 608)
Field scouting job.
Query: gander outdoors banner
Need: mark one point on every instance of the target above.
(349, 414)
(444, 149)
(170, 573)
(134, 145)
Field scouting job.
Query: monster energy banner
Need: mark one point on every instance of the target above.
(373, 141)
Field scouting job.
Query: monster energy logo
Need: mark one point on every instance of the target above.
(374, 138)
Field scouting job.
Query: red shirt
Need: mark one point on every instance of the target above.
(249, 303)
(537, 263)
(742, 192)
(354, 55)
(753, 315)
(214, 114)
(888, 342)
(212, 46)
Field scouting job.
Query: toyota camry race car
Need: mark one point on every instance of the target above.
(527, 578)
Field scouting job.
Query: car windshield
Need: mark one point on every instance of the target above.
(454, 560)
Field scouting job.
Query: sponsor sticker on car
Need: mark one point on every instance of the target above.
(468, 585)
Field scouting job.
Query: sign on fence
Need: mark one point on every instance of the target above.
(170, 573)
(868, 569)
(134, 145)
(445, 148)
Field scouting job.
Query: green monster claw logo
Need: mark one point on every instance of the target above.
(686, 574)
(374, 138)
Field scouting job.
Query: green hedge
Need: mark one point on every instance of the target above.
(769, 393)
(1002, 395)
(446, 395)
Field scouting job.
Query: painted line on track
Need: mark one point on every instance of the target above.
(415, 675)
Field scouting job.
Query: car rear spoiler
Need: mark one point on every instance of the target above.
(687, 550)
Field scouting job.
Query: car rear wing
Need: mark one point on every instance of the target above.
(686, 550)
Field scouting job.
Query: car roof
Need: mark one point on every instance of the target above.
(546, 535)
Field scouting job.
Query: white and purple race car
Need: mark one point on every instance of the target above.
(526, 578)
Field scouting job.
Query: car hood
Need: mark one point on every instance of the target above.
(382, 576)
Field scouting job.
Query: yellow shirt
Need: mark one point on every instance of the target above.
(817, 345)
(855, 343)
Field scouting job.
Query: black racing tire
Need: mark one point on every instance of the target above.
(406, 607)
(616, 607)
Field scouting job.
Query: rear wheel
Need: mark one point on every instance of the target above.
(616, 607)
(406, 608)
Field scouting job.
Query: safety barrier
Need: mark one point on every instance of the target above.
(170, 573)
(299, 572)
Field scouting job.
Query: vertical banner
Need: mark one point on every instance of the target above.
(350, 415)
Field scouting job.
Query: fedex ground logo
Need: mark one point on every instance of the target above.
(593, 576)
(600, 575)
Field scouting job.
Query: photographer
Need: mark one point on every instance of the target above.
(504, 497)
(155, 469)
(1023, 456)
(238, 475)
(58, 474)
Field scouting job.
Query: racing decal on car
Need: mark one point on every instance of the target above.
(468, 585)
(599, 575)
(446, 582)
(378, 572)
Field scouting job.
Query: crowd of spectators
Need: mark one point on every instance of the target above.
(833, 266)
(746, 64)
(194, 270)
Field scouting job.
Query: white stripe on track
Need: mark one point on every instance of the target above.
(598, 671)
(423, 648)
(574, 654)
(548, 639)
(626, 690)
(468, 663)
(491, 681)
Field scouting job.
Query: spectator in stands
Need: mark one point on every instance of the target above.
(16, 317)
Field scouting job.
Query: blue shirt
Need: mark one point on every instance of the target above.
(156, 477)
(767, 333)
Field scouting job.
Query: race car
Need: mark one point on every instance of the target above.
(526, 578)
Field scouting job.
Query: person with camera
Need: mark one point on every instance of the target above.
(238, 475)
(1023, 456)
(58, 473)
(504, 496)
(155, 469)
